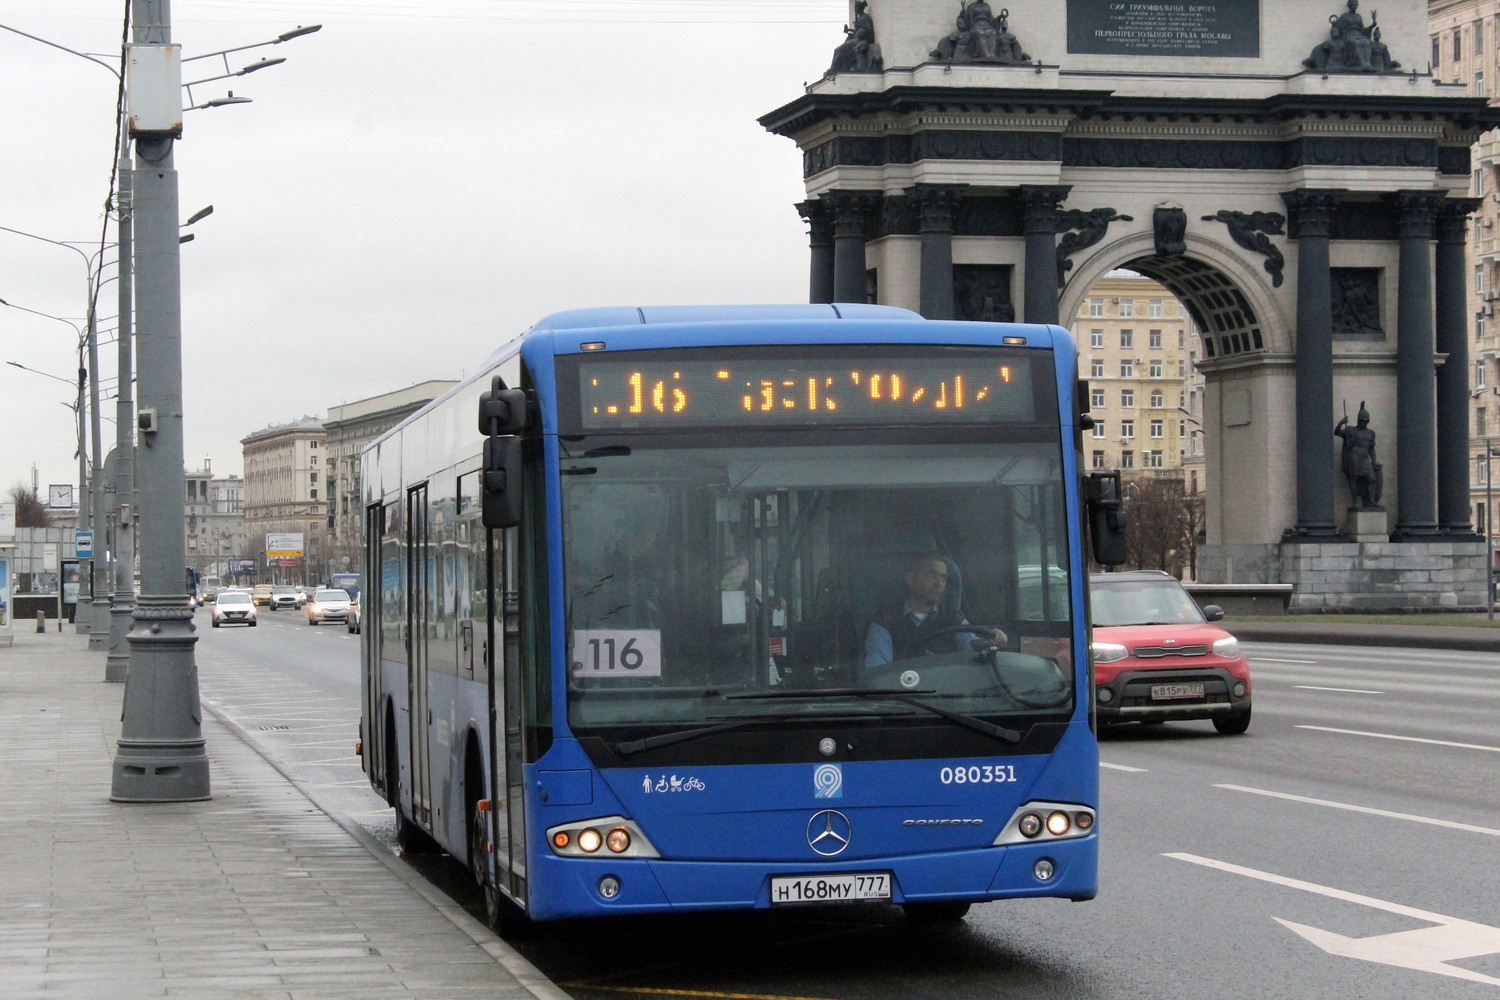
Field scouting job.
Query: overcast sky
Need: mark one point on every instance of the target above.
(419, 181)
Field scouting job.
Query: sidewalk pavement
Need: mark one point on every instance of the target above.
(256, 893)
(1350, 631)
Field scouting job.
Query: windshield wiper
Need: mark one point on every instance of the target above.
(896, 694)
(631, 747)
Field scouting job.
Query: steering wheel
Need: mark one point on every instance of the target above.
(979, 631)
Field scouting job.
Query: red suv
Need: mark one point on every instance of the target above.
(1157, 658)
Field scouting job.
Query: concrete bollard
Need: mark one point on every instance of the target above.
(41, 622)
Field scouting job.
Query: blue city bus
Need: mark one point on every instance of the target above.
(628, 587)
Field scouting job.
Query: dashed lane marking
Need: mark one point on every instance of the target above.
(1368, 810)
(652, 991)
(1275, 659)
(1122, 767)
(1314, 687)
(1426, 949)
(1404, 739)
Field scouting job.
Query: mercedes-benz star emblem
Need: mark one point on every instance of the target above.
(826, 746)
(829, 832)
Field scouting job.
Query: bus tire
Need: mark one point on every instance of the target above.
(479, 857)
(410, 837)
(948, 912)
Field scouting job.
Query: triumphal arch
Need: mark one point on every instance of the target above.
(1289, 169)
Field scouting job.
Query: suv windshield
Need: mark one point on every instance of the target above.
(1134, 601)
(283, 590)
(725, 585)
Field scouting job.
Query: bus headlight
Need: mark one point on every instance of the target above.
(1064, 821)
(605, 836)
(1109, 652)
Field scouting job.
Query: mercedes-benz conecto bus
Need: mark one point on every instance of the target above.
(710, 608)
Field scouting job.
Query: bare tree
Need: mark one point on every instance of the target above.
(1158, 532)
(30, 511)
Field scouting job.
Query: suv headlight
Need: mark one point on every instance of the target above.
(1228, 647)
(1109, 652)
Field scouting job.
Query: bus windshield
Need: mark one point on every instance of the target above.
(868, 574)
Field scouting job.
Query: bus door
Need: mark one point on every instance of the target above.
(512, 714)
(369, 638)
(419, 608)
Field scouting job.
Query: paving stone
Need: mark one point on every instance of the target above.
(253, 894)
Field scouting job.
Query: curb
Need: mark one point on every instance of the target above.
(1369, 635)
(512, 961)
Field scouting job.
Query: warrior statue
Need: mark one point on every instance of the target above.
(1357, 459)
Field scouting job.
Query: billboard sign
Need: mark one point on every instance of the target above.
(7, 521)
(242, 567)
(4, 593)
(284, 545)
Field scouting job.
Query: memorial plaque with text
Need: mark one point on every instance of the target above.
(1164, 27)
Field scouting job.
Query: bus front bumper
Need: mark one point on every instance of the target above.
(570, 887)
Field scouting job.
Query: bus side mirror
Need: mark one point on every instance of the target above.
(1106, 518)
(502, 410)
(501, 503)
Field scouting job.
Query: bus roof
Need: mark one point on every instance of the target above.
(615, 316)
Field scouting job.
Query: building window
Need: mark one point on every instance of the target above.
(1127, 338)
(1127, 307)
(1127, 398)
(1153, 339)
(1098, 460)
(1182, 400)
(1154, 459)
(1153, 308)
(313, 460)
(1437, 52)
(1478, 79)
(1479, 328)
(314, 494)
(1096, 338)
(1182, 428)
(1458, 44)
(1096, 307)
(313, 445)
(1127, 368)
(1157, 399)
(1478, 37)
(1155, 368)
(1478, 187)
(312, 477)
(1098, 428)
(1479, 513)
(1156, 428)
(1181, 338)
(1127, 430)
(1096, 399)
(1127, 459)
(1181, 368)
(1479, 374)
(1096, 368)
(1478, 277)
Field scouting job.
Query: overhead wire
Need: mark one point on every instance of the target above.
(551, 11)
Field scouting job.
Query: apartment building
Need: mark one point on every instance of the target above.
(286, 491)
(1137, 349)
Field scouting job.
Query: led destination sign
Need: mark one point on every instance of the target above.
(752, 392)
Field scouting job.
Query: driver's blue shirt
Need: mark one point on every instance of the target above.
(880, 647)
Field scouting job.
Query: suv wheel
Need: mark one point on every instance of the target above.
(1233, 724)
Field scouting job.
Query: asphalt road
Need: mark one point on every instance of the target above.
(1347, 846)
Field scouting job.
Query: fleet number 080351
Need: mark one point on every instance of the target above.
(978, 774)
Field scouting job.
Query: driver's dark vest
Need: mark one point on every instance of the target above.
(907, 637)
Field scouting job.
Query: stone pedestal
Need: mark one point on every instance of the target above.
(1365, 526)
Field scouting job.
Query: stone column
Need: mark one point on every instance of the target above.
(937, 204)
(819, 219)
(1312, 221)
(851, 221)
(1453, 376)
(1040, 204)
(1416, 388)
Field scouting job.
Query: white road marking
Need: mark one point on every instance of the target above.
(1404, 739)
(1122, 767)
(1447, 824)
(1273, 659)
(1314, 687)
(1426, 949)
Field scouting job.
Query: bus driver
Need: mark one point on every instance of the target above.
(919, 624)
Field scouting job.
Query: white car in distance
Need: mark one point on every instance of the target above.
(328, 606)
(234, 607)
